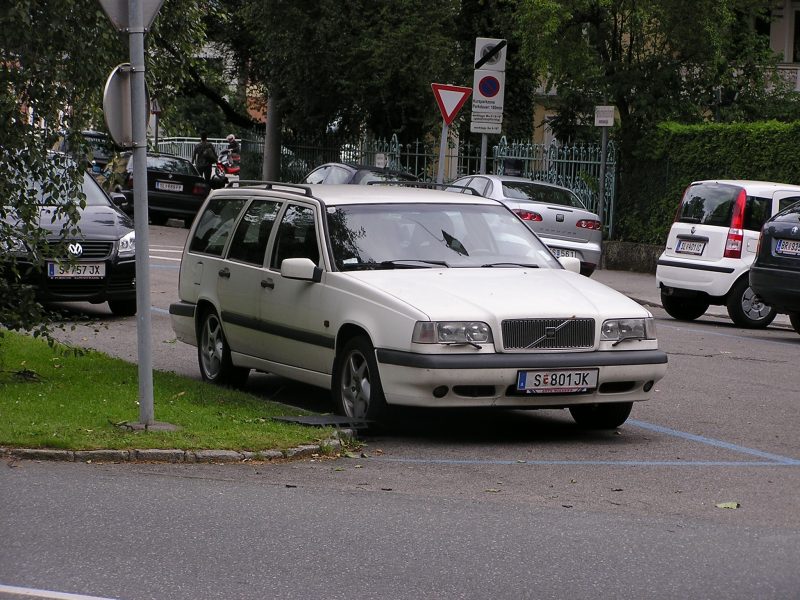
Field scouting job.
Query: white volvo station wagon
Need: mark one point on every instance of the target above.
(390, 295)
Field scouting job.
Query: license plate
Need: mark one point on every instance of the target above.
(557, 382)
(559, 252)
(169, 186)
(76, 271)
(790, 247)
(685, 247)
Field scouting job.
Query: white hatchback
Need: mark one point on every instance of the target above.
(398, 296)
(712, 244)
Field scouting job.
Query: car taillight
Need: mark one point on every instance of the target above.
(129, 181)
(528, 215)
(200, 189)
(589, 224)
(733, 244)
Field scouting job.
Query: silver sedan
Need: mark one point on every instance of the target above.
(555, 213)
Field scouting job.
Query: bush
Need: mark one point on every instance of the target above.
(674, 155)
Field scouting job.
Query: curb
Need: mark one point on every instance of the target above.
(179, 456)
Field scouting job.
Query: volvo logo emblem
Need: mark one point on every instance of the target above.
(795, 230)
(75, 249)
(550, 332)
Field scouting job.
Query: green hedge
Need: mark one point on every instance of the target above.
(666, 161)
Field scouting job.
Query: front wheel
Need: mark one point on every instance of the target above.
(684, 309)
(746, 309)
(601, 416)
(357, 390)
(123, 308)
(214, 354)
(794, 319)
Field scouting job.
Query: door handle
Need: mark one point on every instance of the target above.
(226, 273)
(268, 283)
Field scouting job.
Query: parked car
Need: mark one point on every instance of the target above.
(175, 189)
(99, 260)
(555, 213)
(775, 273)
(98, 145)
(405, 296)
(333, 173)
(712, 244)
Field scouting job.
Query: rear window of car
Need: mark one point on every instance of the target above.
(522, 190)
(713, 205)
(171, 164)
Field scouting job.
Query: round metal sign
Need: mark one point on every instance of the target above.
(117, 105)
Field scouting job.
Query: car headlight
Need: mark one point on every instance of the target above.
(618, 330)
(451, 332)
(13, 245)
(127, 245)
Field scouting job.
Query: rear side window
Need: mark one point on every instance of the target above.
(756, 212)
(215, 225)
(250, 240)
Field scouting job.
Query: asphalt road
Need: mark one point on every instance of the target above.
(507, 504)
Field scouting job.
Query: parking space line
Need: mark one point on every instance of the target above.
(34, 593)
(714, 442)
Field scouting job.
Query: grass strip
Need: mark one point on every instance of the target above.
(55, 398)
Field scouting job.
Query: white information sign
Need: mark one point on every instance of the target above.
(604, 116)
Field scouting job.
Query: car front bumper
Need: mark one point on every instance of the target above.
(490, 379)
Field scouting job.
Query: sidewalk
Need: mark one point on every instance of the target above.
(642, 287)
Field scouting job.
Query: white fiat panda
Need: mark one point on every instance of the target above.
(712, 244)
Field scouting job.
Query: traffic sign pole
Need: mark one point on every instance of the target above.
(139, 129)
(442, 152)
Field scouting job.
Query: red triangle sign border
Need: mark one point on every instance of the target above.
(449, 112)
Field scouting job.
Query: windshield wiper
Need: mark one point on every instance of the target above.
(400, 263)
(510, 264)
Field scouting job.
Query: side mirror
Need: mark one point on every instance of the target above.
(570, 263)
(303, 269)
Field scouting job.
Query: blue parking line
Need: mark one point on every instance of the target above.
(577, 463)
(714, 442)
(170, 267)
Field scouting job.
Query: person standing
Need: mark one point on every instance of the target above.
(204, 156)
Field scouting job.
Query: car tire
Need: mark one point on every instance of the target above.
(794, 319)
(601, 416)
(357, 390)
(214, 354)
(746, 309)
(123, 308)
(684, 309)
(158, 219)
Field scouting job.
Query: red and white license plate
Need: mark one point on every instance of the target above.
(686, 247)
(169, 186)
(561, 381)
(789, 247)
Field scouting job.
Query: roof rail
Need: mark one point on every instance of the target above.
(427, 185)
(291, 188)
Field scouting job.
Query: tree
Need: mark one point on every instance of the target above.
(653, 59)
(55, 56)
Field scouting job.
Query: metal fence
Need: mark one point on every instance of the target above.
(575, 166)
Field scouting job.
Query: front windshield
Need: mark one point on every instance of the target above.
(389, 236)
(69, 194)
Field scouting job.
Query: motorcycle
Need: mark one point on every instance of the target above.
(227, 166)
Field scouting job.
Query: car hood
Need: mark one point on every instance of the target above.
(501, 292)
(103, 222)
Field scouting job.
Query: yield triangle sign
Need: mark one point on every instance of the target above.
(450, 99)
